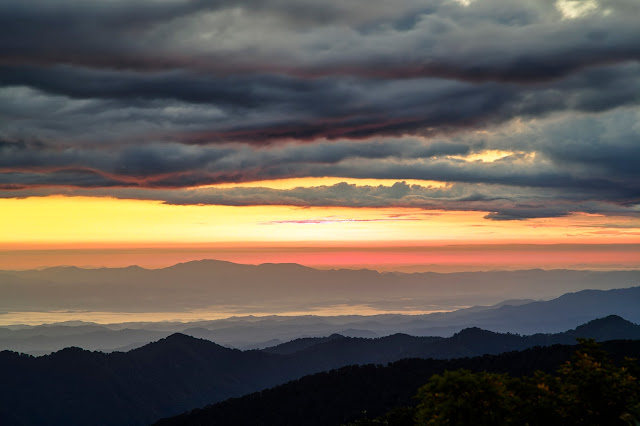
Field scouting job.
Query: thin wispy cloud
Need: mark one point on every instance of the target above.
(332, 219)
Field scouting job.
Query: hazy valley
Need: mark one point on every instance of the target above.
(501, 301)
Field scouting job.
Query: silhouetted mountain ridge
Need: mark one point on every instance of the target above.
(610, 328)
(300, 344)
(343, 395)
(179, 372)
(470, 341)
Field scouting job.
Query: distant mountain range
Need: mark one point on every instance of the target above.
(520, 316)
(180, 372)
(224, 286)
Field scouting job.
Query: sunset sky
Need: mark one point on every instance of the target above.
(333, 133)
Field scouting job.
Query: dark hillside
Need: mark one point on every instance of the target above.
(78, 387)
(345, 394)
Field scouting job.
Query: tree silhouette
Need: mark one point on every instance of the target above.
(588, 390)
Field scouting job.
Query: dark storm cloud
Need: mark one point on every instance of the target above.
(236, 91)
(486, 40)
(119, 107)
(175, 165)
(80, 178)
(520, 187)
(151, 161)
(574, 158)
(145, 99)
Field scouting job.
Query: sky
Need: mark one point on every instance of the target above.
(297, 126)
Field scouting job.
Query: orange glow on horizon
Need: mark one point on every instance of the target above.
(92, 232)
(75, 222)
(406, 258)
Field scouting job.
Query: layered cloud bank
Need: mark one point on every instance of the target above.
(517, 109)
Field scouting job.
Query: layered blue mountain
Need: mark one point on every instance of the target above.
(521, 316)
(180, 372)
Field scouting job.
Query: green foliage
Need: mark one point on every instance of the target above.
(594, 391)
(463, 398)
(588, 390)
